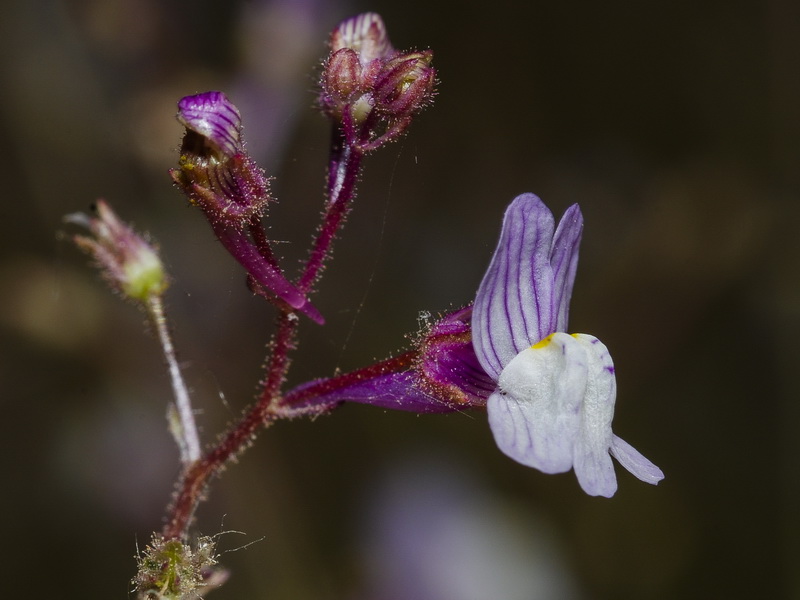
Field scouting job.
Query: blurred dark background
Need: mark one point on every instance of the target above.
(674, 125)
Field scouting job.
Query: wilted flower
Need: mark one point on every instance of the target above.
(215, 172)
(217, 175)
(127, 261)
(555, 395)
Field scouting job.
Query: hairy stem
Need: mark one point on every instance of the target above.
(345, 166)
(262, 243)
(195, 479)
(301, 401)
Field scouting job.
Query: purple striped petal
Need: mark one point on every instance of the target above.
(564, 261)
(364, 33)
(514, 305)
(214, 117)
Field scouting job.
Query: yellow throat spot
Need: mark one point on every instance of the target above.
(543, 343)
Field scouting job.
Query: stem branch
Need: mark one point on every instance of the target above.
(186, 431)
(345, 165)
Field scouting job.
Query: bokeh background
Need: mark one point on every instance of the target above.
(674, 125)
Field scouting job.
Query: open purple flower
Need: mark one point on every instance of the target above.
(554, 401)
(549, 395)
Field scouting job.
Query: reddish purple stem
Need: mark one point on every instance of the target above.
(344, 168)
(345, 165)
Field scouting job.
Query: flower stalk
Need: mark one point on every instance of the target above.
(344, 170)
(133, 268)
(180, 415)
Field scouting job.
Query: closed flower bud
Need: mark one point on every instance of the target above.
(341, 80)
(365, 34)
(406, 83)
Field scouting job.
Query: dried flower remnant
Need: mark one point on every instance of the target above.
(173, 570)
(128, 262)
(132, 266)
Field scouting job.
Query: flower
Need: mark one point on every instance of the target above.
(549, 395)
(554, 401)
(215, 172)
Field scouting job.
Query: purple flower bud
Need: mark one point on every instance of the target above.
(365, 34)
(215, 119)
(343, 74)
(406, 83)
(129, 263)
(342, 82)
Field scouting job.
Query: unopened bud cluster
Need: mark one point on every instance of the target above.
(370, 87)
